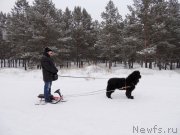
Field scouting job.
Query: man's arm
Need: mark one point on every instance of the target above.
(49, 66)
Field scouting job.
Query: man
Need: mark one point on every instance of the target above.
(49, 72)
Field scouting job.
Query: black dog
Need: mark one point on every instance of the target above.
(127, 84)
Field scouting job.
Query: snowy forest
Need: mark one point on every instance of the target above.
(149, 35)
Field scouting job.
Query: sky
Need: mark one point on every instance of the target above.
(93, 7)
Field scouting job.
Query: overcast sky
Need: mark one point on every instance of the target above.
(93, 7)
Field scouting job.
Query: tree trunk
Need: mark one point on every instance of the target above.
(16, 63)
(150, 65)
(1, 63)
(159, 65)
(19, 62)
(165, 67)
(115, 64)
(13, 65)
(4, 62)
(81, 64)
(142, 64)
(25, 64)
(171, 65)
(132, 64)
(9, 64)
(110, 64)
(178, 64)
(146, 64)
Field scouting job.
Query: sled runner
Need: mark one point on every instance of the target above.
(55, 99)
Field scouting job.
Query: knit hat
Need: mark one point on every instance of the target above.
(47, 49)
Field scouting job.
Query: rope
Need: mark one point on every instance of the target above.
(87, 93)
(92, 92)
(68, 76)
(80, 95)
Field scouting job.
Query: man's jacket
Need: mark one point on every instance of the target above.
(48, 68)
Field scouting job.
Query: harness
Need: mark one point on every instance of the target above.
(125, 87)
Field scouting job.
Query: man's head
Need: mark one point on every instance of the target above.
(48, 51)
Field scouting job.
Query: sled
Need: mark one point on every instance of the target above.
(55, 99)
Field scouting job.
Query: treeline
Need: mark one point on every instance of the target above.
(149, 34)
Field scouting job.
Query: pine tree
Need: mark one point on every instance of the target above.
(18, 30)
(154, 22)
(82, 23)
(110, 39)
(44, 17)
(3, 44)
(77, 34)
(45, 26)
(160, 34)
(142, 12)
(132, 38)
(173, 27)
(94, 52)
(65, 40)
(3, 19)
(88, 34)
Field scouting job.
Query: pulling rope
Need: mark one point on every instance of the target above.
(68, 76)
(92, 92)
(86, 93)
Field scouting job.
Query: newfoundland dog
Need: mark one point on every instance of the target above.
(128, 84)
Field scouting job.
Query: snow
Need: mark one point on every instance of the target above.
(150, 50)
(156, 104)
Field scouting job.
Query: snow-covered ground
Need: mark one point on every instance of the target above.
(155, 109)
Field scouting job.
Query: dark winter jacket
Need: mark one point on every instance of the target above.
(48, 68)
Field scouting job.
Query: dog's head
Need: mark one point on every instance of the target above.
(134, 77)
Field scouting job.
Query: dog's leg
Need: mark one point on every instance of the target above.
(108, 94)
(109, 91)
(128, 93)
